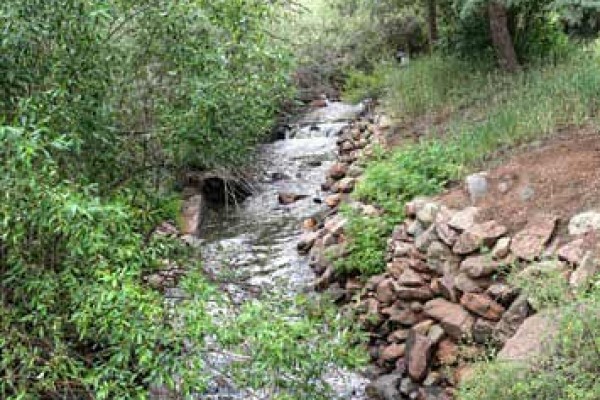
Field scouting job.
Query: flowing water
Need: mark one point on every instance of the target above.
(253, 245)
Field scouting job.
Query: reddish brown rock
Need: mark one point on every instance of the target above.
(345, 185)
(531, 339)
(447, 352)
(289, 198)
(573, 252)
(464, 219)
(392, 352)
(405, 317)
(447, 288)
(465, 284)
(385, 291)
(502, 248)
(455, 320)
(446, 234)
(410, 278)
(482, 305)
(480, 266)
(478, 236)
(398, 336)
(337, 171)
(530, 242)
(419, 350)
(411, 293)
(333, 200)
(309, 224)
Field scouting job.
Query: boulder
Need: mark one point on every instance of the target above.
(419, 350)
(589, 266)
(531, 339)
(477, 236)
(584, 223)
(455, 320)
(482, 305)
(191, 214)
(529, 243)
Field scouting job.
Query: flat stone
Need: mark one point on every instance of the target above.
(480, 266)
(423, 326)
(436, 333)
(482, 305)
(502, 248)
(584, 222)
(477, 236)
(405, 317)
(402, 249)
(465, 284)
(289, 198)
(398, 336)
(411, 293)
(419, 350)
(410, 278)
(573, 252)
(455, 320)
(530, 242)
(589, 266)
(464, 219)
(531, 339)
(446, 234)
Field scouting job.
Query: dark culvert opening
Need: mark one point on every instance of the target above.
(219, 192)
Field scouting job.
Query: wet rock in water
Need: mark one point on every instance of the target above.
(589, 266)
(386, 387)
(477, 186)
(477, 236)
(306, 242)
(455, 320)
(419, 350)
(290, 198)
(310, 224)
(529, 243)
(482, 305)
(337, 171)
(333, 200)
(584, 222)
(345, 185)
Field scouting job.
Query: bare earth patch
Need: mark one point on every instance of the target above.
(560, 176)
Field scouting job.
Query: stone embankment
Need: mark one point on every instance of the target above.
(443, 298)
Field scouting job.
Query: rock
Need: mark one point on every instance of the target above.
(483, 331)
(414, 206)
(465, 284)
(448, 289)
(392, 352)
(333, 200)
(541, 269)
(436, 334)
(423, 327)
(477, 236)
(455, 320)
(572, 252)
(329, 240)
(518, 311)
(402, 249)
(336, 225)
(477, 186)
(582, 276)
(480, 266)
(446, 233)
(411, 293)
(289, 198)
(155, 281)
(426, 215)
(191, 214)
(386, 387)
(404, 317)
(398, 336)
(306, 242)
(482, 305)
(337, 171)
(530, 242)
(166, 229)
(584, 223)
(501, 249)
(424, 240)
(419, 350)
(385, 291)
(464, 219)
(527, 193)
(407, 386)
(309, 224)
(415, 228)
(410, 278)
(531, 339)
(463, 373)
(346, 185)
(502, 293)
(447, 352)
(355, 171)
(370, 210)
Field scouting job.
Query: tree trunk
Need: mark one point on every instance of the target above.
(501, 38)
(432, 22)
